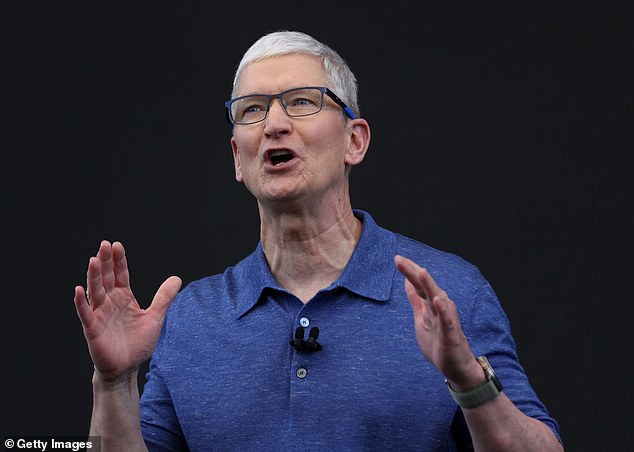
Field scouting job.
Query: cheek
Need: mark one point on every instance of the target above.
(332, 145)
(245, 148)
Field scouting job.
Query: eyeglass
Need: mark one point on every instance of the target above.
(296, 102)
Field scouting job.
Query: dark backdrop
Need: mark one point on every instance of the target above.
(502, 133)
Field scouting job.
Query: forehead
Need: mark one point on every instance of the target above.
(276, 74)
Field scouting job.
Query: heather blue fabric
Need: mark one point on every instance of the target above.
(224, 376)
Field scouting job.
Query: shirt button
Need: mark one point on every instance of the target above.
(301, 373)
(304, 322)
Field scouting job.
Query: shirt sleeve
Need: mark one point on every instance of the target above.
(489, 333)
(159, 422)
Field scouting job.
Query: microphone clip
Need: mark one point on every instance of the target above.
(310, 345)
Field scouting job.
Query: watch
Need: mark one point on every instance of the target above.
(483, 393)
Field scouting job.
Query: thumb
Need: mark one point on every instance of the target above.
(164, 296)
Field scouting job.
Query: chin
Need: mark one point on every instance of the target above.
(281, 199)
(280, 191)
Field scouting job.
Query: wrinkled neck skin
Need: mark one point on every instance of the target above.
(307, 243)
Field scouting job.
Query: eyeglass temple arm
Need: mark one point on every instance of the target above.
(341, 103)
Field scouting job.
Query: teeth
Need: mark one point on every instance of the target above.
(280, 152)
(280, 156)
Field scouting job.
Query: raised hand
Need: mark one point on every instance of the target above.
(120, 335)
(437, 325)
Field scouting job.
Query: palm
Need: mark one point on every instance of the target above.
(120, 335)
(436, 342)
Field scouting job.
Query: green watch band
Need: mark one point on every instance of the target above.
(483, 393)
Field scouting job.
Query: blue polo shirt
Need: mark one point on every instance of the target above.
(224, 376)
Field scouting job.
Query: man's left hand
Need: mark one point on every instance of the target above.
(437, 326)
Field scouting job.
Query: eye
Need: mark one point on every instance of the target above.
(253, 108)
(249, 106)
(300, 101)
(303, 101)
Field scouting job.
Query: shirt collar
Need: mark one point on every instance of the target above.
(369, 271)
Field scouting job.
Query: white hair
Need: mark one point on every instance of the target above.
(341, 79)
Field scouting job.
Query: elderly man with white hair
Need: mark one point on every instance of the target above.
(334, 334)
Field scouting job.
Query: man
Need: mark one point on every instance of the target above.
(223, 375)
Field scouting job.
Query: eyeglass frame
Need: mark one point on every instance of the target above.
(270, 97)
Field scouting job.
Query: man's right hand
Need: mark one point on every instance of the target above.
(120, 335)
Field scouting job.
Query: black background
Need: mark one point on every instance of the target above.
(501, 132)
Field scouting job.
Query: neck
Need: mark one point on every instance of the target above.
(308, 249)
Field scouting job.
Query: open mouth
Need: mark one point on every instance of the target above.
(280, 156)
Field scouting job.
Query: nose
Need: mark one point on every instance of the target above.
(277, 122)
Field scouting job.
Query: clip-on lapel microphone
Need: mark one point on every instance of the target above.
(311, 345)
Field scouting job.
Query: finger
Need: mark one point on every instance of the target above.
(420, 306)
(449, 320)
(427, 284)
(121, 273)
(107, 272)
(84, 312)
(419, 276)
(96, 293)
(164, 297)
(431, 288)
(416, 276)
(418, 303)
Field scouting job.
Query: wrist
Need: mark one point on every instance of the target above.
(474, 397)
(122, 382)
(472, 377)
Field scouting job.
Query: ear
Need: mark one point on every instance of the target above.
(359, 141)
(236, 159)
